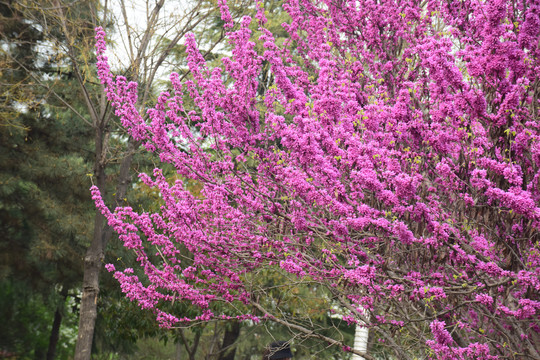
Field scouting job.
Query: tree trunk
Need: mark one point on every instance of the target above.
(93, 261)
(55, 331)
(191, 350)
(229, 338)
(55, 334)
(88, 310)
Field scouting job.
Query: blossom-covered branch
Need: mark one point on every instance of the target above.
(394, 162)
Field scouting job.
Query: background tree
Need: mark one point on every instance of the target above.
(393, 167)
(44, 151)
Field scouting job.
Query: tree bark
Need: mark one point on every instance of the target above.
(88, 311)
(95, 254)
(229, 338)
(92, 263)
(55, 334)
(191, 350)
(55, 331)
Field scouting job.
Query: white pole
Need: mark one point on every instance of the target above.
(360, 340)
(361, 334)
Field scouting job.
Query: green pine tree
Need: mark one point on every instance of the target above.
(44, 202)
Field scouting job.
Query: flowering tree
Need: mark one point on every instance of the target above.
(393, 164)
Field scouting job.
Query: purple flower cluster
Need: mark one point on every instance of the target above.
(394, 161)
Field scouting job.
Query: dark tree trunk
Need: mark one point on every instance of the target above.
(191, 350)
(55, 335)
(55, 331)
(228, 350)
